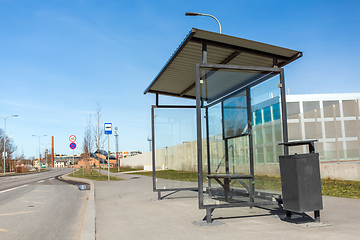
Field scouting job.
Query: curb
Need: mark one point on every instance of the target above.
(89, 223)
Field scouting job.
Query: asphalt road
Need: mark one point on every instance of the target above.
(40, 206)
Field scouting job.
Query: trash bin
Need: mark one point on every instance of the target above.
(300, 180)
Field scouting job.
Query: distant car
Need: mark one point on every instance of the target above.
(43, 165)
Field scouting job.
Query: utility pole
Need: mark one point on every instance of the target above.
(149, 139)
(39, 136)
(117, 148)
(52, 151)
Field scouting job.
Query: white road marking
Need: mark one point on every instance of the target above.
(7, 190)
(6, 214)
(51, 178)
(40, 181)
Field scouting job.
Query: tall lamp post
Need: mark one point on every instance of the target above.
(117, 148)
(203, 14)
(46, 154)
(5, 136)
(39, 136)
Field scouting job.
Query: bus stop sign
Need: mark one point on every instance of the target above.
(108, 128)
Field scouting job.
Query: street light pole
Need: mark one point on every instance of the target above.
(46, 154)
(5, 136)
(117, 148)
(203, 14)
(39, 136)
(149, 140)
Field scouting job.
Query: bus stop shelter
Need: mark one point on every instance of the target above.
(234, 125)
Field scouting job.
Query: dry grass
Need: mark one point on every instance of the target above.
(93, 176)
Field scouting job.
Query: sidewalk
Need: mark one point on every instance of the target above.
(130, 210)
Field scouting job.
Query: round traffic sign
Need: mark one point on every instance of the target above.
(72, 138)
(72, 145)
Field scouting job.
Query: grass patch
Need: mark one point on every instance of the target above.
(94, 176)
(267, 182)
(340, 188)
(173, 175)
(123, 169)
(330, 187)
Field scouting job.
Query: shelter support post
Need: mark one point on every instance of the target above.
(283, 111)
(317, 216)
(153, 146)
(198, 134)
(251, 148)
(209, 212)
(208, 149)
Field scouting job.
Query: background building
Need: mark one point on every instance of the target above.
(332, 119)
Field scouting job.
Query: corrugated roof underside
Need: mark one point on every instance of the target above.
(179, 73)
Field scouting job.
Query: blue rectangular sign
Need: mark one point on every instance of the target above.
(108, 128)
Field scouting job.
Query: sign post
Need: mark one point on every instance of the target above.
(108, 132)
(72, 139)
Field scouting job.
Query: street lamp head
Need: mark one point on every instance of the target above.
(192, 14)
(203, 14)
(14, 115)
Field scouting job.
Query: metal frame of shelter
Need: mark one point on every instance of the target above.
(236, 65)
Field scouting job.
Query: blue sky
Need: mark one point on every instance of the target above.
(59, 58)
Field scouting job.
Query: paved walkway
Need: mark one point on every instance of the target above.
(130, 210)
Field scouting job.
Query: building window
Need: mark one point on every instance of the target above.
(293, 110)
(267, 114)
(276, 111)
(349, 107)
(309, 108)
(258, 118)
(329, 108)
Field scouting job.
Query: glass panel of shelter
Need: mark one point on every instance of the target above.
(229, 142)
(175, 146)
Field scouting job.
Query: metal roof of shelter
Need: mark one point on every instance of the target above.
(177, 77)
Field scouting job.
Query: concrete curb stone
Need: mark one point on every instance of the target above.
(89, 223)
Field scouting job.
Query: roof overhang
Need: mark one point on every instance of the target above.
(177, 77)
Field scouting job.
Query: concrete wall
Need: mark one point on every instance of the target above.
(344, 171)
(138, 160)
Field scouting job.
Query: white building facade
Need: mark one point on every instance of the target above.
(331, 119)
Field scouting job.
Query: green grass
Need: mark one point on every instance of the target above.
(340, 188)
(123, 169)
(267, 182)
(330, 187)
(94, 176)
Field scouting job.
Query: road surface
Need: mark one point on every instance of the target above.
(40, 206)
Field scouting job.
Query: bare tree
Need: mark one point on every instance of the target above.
(10, 149)
(98, 130)
(87, 145)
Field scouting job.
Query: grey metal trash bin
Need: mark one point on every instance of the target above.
(300, 180)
